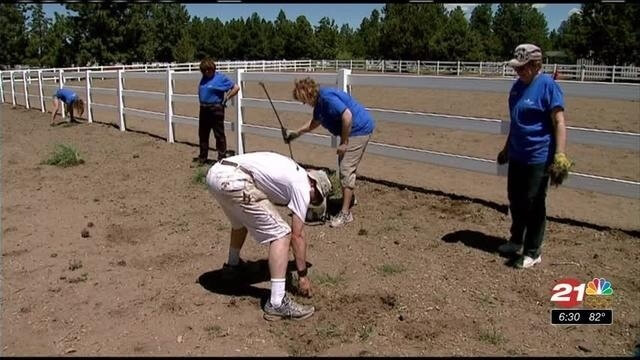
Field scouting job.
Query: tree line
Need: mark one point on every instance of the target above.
(110, 33)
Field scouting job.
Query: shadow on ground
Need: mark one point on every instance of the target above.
(480, 241)
(240, 282)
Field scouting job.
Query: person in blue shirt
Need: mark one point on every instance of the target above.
(75, 105)
(214, 90)
(536, 140)
(342, 116)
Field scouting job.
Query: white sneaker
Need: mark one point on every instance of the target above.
(525, 262)
(341, 219)
(509, 248)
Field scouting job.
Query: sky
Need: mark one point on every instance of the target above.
(351, 14)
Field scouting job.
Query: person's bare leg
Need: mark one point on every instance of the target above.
(54, 111)
(278, 261)
(279, 257)
(238, 237)
(347, 195)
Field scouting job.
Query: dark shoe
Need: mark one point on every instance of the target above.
(234, 270)
(199, 160)
(289, 309)
(509, 248)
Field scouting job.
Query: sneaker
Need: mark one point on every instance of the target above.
(509, 248)
(525, 262)
(289, 309)
(341, 219)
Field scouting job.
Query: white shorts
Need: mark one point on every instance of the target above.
(245, 205)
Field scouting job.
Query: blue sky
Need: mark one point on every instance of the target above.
(351, 14)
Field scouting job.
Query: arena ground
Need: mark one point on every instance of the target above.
(416, 274)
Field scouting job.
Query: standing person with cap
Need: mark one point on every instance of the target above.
(247, 186)
(343, 116)
(213, 92)
(75, 105)
(535, 150)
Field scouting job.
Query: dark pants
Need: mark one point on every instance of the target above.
(212, 117)
(527, 189)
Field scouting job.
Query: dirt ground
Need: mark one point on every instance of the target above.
(416, 273)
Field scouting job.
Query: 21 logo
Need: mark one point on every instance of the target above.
(569, 292)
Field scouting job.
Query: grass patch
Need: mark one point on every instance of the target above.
(336, 186)
(491, 336)
(81, 278)
(328, 279)
(365, 332)
(75, 264)
(200, 175)
(327, 331)
(64, 156)
(391, 269)
(215, 331)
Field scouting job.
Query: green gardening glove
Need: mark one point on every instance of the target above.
(559, 169)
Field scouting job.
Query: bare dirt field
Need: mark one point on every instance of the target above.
(417, 273)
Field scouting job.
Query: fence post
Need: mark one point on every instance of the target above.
(60, 85)
(26, 91)
(613, 74)
(504, 69)
(582, 73)
(418, 71)
(120, 102)
(41, 93)
(239, 120)
(13, 90)
(458, 71)
(343, 84)
(383, 66)
(480, 71)
(1, 87)
(168, 106)
(87, 78)
(438, 67)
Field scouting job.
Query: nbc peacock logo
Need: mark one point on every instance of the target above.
(599, 293)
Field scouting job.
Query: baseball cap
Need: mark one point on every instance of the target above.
(524, 53)
(323, 185)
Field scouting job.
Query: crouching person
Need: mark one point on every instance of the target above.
(247, 187)
(75, 105)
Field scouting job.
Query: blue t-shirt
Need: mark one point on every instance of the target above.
(330, 106)
(67, 96)
(531, 139)
(211, 90)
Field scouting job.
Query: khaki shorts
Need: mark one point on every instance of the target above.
(245, 205)
(351, 159)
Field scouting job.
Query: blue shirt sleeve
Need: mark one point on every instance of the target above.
(225, 82)
(335, 107)
(554, 97)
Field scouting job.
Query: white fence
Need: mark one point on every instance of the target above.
(578, 72)
(342, 79)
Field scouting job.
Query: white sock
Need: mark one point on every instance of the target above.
(277, 291)
(234, 256)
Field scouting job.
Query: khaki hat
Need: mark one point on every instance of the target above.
(524, 53)
(323, 185)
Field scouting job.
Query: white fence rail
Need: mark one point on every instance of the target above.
(343, 79)
(576, 72)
